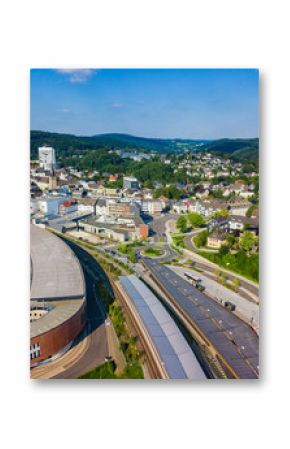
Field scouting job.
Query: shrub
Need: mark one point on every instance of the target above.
(195, 219)
(181, 224)
(201, 239)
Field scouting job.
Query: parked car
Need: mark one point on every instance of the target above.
(229, 305)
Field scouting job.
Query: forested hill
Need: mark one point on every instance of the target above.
(63, 143)
(145, 143)
(67, 144)
(70, 143)
(239, 149)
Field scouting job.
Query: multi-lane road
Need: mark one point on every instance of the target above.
(245, 309)
(235, 344)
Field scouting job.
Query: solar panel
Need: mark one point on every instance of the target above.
(178, 358)
(226, 331)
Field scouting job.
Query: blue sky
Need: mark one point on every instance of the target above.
(181, 103)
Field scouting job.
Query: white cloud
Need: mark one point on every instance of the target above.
(64, 110)
(77, 75)
(117, 105)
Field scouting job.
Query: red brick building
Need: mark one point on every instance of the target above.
(58, 296)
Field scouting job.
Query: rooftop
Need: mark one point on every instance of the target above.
(179, 360)
(56, 272)
(60, 312)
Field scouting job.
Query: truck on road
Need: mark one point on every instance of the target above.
(196, 282)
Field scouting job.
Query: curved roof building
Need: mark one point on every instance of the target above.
(56, 271)
(178, 359)
(58, 295)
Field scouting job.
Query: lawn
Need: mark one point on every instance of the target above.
(153, 252)
(104, 371)
(178, 240)
(241, 263)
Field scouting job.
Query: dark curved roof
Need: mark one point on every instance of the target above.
(178, 359)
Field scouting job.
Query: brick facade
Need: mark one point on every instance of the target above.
(56, 339)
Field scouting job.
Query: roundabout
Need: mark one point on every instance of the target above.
(153, 252)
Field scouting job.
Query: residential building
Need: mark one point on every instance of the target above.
(233, 223)
(216, 240)
(129, 182)
(121, 208)
(86, 205)
(220, 223)
(47, 158)
(49, 206)
(119, 229)
(101, 206)
(105, 192)
(238, 206)
(151, 206)
(181, 207)
(68, 206)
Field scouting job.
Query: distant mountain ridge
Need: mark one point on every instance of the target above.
(238, 148)
(235, 148)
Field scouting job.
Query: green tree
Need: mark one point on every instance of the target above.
(247, 241)
(250, 210)
(201, 239)
(224, 249)
(122, 247)
(221, 213)
(148, 184)
(171, 192)
(181, 224)
(231, 240)
(195, 219)
(218, 193)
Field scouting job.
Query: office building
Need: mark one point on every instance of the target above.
(47, 158)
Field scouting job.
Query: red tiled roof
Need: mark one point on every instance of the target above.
(68, 202)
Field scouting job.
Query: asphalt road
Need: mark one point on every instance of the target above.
(247, 309)
(236, 344)
(188, 240)
(96, 315)
(169, 253)
(158, 225)
(243, 283)
(93, 340)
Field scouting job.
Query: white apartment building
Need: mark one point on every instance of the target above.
(50, 206)
(47, 158)
(151, 206)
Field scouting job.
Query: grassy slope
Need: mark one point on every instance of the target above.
(107, 371)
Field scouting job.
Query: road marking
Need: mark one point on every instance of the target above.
(197, 328)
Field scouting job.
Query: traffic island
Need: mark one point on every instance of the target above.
(153, 252)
